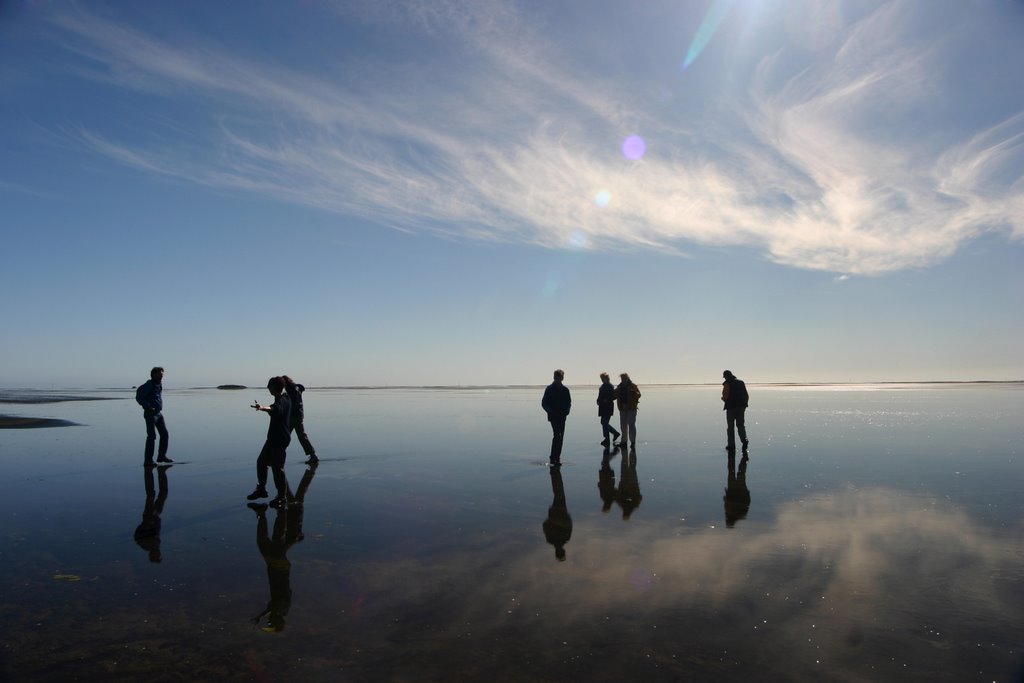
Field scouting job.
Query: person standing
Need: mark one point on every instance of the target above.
(627, 395)
(556, 403)
(606, 408)
(274, 449)
(295, 390)
(734, 400)
(150, 397)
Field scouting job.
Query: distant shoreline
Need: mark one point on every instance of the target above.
(34, 396)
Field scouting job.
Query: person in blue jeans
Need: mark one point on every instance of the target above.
(557, 403)
(150, 397)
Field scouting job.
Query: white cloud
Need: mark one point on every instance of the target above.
(512, 144)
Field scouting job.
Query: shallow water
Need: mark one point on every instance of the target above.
(882, 540)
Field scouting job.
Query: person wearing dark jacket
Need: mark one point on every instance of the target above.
(295, 390)
(150, 397)
(274, 449)
(734, 403)
(606, 408)
(556, 403)
(627, 395)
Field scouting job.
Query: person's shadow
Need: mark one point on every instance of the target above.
(606, 480)
(558, 525)
(147, 534)
(274, 548)
(737, 495)
(628, 494)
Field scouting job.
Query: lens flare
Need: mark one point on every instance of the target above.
(707, 29)
(634, 147)
(578, 239)
(602, 198)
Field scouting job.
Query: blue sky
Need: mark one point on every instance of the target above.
(477, 192)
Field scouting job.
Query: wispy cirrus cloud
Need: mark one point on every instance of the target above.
(499, 135)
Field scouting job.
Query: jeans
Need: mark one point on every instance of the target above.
(300, 433)
(627, 423)
(155, 423)
(734, 421)
(606, 428)
(272, 456)
(557, 434)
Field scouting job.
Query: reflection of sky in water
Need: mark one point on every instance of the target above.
(882, 541)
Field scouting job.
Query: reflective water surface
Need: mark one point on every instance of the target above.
(874, 534)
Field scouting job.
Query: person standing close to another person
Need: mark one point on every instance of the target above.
(274, 449)
(627, 395)
(556, 403)
(150, 397)
(295, 390)
(734, 400)
(606, 408)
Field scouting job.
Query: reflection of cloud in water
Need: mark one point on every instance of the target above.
(852, 581)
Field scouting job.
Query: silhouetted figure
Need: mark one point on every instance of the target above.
(147, 534)
(606, 408)
(274, 449)
(628, 494)
(627, 395)
(150, 396)
(606, 480)
(275, 553)
(296, 502)
(734, 403)
(556, 403)
(558, 525)
(295, 391)
(737, 496)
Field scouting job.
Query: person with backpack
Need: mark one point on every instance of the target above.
(150, 397)
(295, 390)
(627, 396)
(734, 399)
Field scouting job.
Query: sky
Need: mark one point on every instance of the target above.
(473, 193)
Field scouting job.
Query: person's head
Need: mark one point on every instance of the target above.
(275, 385)
(157, 374)
(559, 375)
(624, 376)
(288, 381)
(604, 378)
(727, 375)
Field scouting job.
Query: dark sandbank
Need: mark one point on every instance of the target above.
(231, 387)
(16, 422)
(31, 396)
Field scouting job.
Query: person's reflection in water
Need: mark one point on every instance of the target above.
(606, 480)
(737, 496)
(147, 534)
(299, 497)
(287, 532)
(628, 494)
(558, 525)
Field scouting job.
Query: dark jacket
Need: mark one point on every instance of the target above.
(295, 395)
(734, 394)
(150, 396)
(279, 430)
(557, 401)
(606, 400)
(628, 396)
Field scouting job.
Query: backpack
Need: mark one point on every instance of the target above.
(742, 397)
(139, 394)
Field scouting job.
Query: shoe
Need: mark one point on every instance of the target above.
(279, 502)
(164, 459)
(259, 508)
(745, 444)
(260, 492)
(312, 460)
(615, 437)
(605, 442)
(149, 463)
